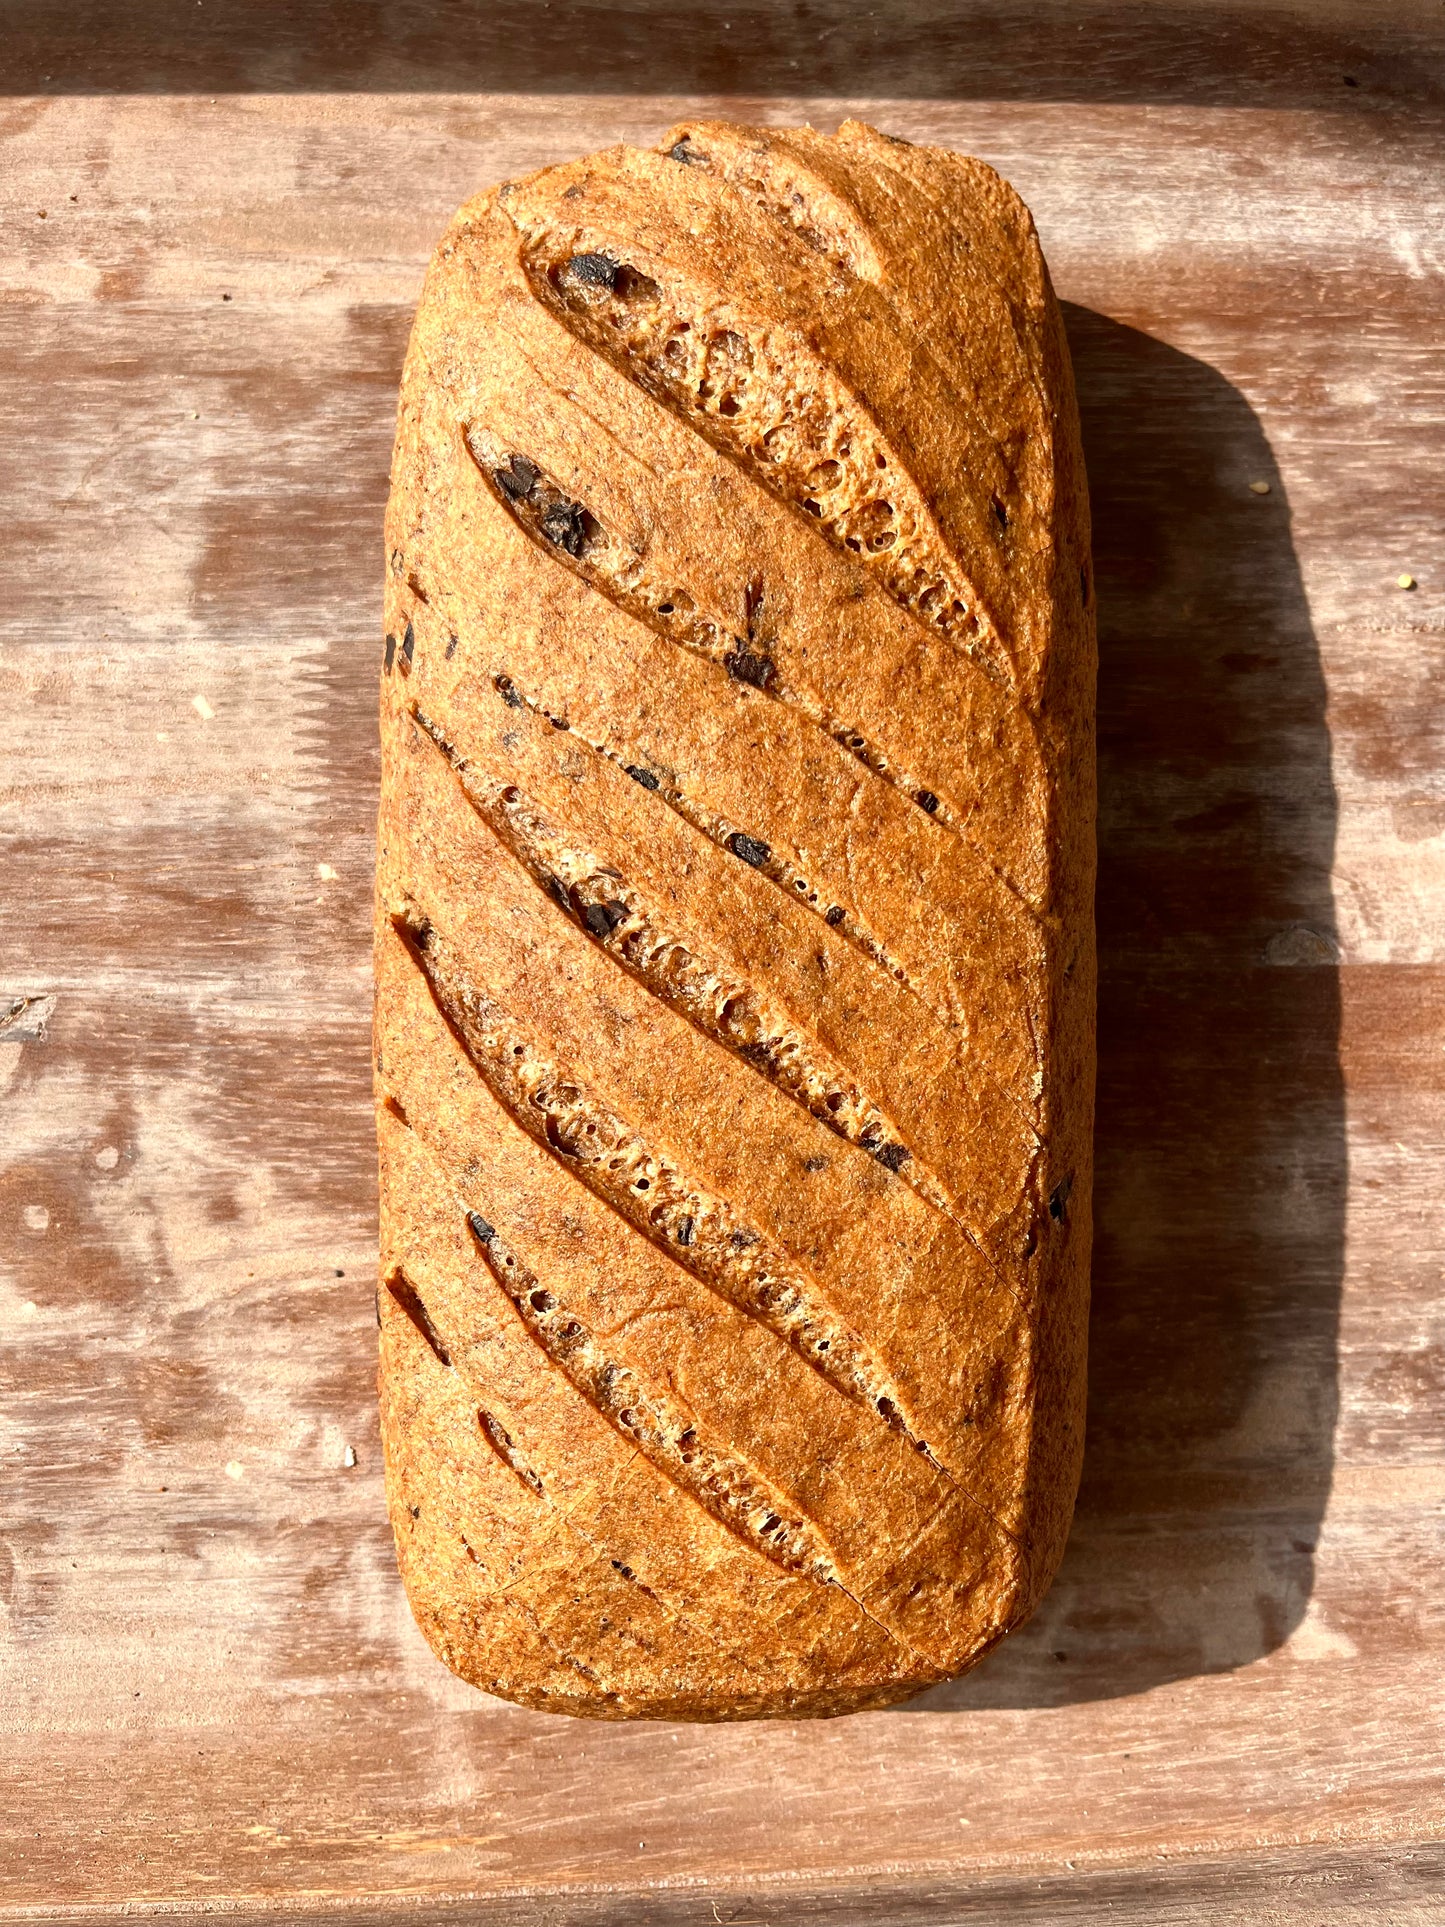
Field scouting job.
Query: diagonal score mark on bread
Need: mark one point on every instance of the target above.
(812, 1540)
(819, 990)
(719, 829)
(494, 1385)
(795, 176)
(732, 372)
(786, 188)
(549, 1506)
(577, 822)
(618, 919)
(534, 500)
(722, 1004)
(841, 854)
(894, 1266)
(695, 1230)
(567, 530)
(669, 1435)
(663, 1431)
(862, 220)
(602, 1150)
(875, 195)
(502, 1443)
(861, 667)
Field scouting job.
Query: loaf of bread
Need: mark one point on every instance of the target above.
(734, 943)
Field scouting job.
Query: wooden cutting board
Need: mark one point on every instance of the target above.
(211, 1691)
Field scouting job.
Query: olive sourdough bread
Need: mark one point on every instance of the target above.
(734, 951)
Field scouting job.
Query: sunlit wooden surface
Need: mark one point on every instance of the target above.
(1230, 1708)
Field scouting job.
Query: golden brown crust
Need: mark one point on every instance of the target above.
(734, 930)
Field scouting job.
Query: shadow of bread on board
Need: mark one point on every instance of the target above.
(1220, 1146)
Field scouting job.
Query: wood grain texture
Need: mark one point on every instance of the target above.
(1262, 53)
(1229, 1706)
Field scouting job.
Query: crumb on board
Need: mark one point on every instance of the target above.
(202, 708)
(1259, 488)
